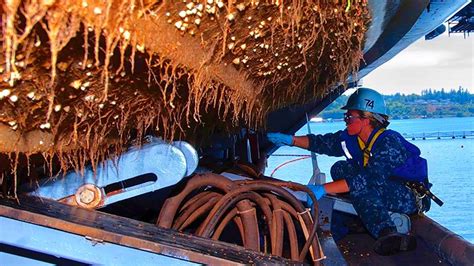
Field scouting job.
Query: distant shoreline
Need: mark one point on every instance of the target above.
(319, 119)
(430, 104)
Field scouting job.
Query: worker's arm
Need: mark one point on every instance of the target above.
(339, 186)
(301, 141)
(328, 144)
(290, 140)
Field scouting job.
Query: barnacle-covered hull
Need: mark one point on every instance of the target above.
(80, 80)
(83, 80)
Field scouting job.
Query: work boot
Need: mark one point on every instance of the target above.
(390, 242)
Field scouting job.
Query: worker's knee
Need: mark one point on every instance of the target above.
(341, 170)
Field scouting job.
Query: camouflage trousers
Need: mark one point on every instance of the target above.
(373, 198)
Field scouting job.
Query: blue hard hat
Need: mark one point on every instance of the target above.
(365, 99)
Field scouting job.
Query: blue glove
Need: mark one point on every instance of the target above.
(318, 191)
(280, 139)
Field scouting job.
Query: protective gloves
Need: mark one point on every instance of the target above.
(318, 191)
(280, 139)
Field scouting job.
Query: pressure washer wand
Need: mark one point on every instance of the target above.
(317, 177)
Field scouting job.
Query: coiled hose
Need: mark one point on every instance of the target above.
(265, 213)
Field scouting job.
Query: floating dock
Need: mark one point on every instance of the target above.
(440, 135)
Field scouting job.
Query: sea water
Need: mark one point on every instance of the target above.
(450, 166)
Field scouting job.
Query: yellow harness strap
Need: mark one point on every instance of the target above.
(366, 150)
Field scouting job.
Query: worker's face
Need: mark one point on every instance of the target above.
(354, 122)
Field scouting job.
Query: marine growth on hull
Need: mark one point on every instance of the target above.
(81, 80)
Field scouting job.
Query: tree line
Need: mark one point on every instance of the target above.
(430, 104)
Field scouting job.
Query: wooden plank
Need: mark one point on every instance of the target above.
(132, 233)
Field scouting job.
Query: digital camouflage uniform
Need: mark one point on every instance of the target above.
(372, 191)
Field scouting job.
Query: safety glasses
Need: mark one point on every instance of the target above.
(349, 119)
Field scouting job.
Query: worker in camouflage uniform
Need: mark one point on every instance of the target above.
(366, 172)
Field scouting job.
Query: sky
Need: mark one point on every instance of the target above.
(444, 62)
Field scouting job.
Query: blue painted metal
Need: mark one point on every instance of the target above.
(436, 32)
(72, 247)
(169, 163)
(190, 154)
(437, 13)
(462, 21)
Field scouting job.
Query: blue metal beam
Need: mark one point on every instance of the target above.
(76, 248)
